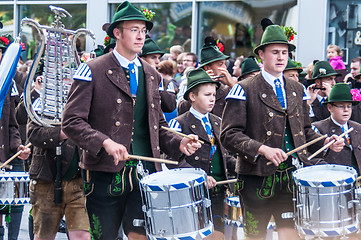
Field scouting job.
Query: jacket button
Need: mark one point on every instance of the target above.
(155, 127)
(151, 77)
(269, 133)
(216, 123)
(119, 100)
(132, 133)
(127, 76)
(193, 126)
(245, 157)
(152, 105)
(264, 95)
(51, 140)
(270, 114)
(158, 148)
(301, 133)
(34, 182)
(110, 72)
(43, 143)
(294, 94)
(1, 128)
(304, 152)
(196, 158)
(117, 123)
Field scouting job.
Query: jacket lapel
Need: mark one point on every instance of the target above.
(291, 95)
(267, 94)
(197, 127)
(335, 129)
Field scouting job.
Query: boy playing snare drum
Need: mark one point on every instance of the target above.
(340, 104)
(211, 157)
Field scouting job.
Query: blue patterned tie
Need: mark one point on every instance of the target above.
(279, 93)
(133, 80)
(210, 135)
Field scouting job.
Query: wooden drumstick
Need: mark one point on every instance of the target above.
(328, 144)
(14, 156)
(227, 181)
(302, 147)
(182, 134)
(150, 159)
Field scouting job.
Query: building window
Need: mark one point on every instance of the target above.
(172, 23)
(44, 16)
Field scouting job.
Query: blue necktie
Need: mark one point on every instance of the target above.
(279, 93)
(322, 101)
(132, 80)
(210, 135)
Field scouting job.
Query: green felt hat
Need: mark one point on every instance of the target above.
(249, 65)
(196, 77)
(127, 12)
(322, 69)
(341, 92)
(150, 47)
(5, 41)
(292, 66)
(274, 34)
(210, 53)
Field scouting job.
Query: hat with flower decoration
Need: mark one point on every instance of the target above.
(196, 77)
(5, 41)
(127, 12)
(341, 92)
(272, 34)
(292, 66)
(210, 52)
(322, 69)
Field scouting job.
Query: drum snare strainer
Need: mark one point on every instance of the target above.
(325, 200)
(176, 204)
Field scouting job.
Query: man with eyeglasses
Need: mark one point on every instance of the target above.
(340, 104)
(112, 111)
(320, 85)
(190, 60)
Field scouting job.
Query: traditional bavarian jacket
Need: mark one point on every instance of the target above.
(9, 133)
(352, 145)
(100, 106)
(187, 123)
(253, 116)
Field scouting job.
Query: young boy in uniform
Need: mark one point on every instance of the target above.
(211, 157)
(265, 117)
(340, 104)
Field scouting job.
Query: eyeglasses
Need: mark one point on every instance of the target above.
(346, 107)
(137, 30)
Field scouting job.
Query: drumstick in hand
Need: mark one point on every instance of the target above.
(150, 159)
(181, 134)
(14, 156)
(302, 147)
(328, 144)
(227, 181)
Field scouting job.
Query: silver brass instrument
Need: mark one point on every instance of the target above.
(58, 45)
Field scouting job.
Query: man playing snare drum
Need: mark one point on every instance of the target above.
(113, 109)
(265, 117)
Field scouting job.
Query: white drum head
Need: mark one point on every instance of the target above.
(178, 178)
(329, 175)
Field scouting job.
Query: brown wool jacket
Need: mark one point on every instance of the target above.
(103, 108)
(260, 119)
(45, 140)
(200, 159)
(327, 126)
(9, 132)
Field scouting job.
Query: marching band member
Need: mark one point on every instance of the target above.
(323, 79)
(249, 68)
(340, 104)
(214, 62)
(211, 157)
(264, 117)
(113, 109)
(10, 143)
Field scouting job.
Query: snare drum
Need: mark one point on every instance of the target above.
(325, 200)
(176, 204)
(14, 188)
(233, 228)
